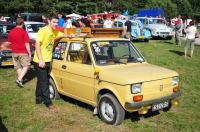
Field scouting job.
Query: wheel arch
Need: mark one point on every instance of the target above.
(107, 90)
(52, 77)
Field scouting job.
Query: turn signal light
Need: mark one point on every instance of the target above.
(143, 111)
(138, 98)
(176, 89)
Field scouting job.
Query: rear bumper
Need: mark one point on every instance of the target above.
(150, 102)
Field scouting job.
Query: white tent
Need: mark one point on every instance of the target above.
(74, 16)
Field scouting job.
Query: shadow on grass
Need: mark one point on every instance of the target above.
(132, 116)
(2, 126)
(180, 53)
(76, 102)
(29, 75)
(136, 117)
(168, 42)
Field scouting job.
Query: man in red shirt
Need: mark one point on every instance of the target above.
(21, 53)
(178, 30)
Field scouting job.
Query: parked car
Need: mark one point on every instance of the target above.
(35, 17)
(111, 75)
(5, 51)
(157, 26)
(138, 32)
(32, 28)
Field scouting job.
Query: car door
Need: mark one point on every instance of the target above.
(58, 58)
(78, 73)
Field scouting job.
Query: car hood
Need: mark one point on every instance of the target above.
(159, 27)
(129, 74)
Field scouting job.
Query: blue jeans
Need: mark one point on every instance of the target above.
(42, 92)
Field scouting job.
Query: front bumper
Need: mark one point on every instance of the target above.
(137, 105)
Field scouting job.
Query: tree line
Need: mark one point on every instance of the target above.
(171, 7)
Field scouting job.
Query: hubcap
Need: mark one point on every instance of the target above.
(51, 91)
(107, 111)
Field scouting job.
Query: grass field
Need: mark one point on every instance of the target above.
(18, 112)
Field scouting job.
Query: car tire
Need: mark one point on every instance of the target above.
(110, 110)
(53, 90)
(146, 40)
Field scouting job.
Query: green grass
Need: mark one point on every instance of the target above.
(18, 111)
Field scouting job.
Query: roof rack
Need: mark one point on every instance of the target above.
(96, 32)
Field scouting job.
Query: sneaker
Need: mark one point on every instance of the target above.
(19, 83)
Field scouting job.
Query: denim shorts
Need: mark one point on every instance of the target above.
(189, 44)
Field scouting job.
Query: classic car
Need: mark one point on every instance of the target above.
(111, 75)
(157, 26)
(5, 51)
(138, 32)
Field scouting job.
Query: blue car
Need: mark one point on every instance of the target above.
(138, 32)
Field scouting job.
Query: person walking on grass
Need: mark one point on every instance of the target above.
(46, 37)
(21, 53)
(178, 30)
(190, 38)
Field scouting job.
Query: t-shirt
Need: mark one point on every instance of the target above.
(128, 25)
(190, 32)
(46, 37)
(18, 37)
(61, 21)
(107, 24)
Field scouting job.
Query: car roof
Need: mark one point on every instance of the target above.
(6, 23)
(88, 39)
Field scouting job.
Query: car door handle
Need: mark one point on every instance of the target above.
(64, 66)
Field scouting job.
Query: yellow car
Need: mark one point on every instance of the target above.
(111, 75)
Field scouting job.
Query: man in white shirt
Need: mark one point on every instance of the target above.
(190, 38)
(107, 23)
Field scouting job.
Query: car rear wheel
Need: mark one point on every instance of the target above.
(110, 110)
(53, 90)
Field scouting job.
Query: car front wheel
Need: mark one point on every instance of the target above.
(110, 110)
(53, 93)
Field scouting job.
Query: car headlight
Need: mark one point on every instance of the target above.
(136, 88)
(154, 31)
(175, 81)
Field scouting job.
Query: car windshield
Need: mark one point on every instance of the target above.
(5, 29)
(115, 52)
(156, 21)
(33, 28)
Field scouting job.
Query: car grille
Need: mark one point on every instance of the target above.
(164, 33)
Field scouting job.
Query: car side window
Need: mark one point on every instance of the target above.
(78, 53)
(59, 51)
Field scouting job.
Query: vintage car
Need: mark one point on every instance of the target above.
(111, 75)
(5, 51)
(138, 32)
(157, 26)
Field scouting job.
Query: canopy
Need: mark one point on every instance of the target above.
(151, 12)
(73, 15)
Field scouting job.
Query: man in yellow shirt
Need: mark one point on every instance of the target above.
(46, 37)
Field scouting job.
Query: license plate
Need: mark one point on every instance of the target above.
(140, 36)
(7, 63)
(160, 106)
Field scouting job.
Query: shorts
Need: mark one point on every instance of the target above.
(189, 44)
(20, 60)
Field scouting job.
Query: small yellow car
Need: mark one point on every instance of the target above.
(111, 75)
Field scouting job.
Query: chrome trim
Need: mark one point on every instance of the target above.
(150, 102)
